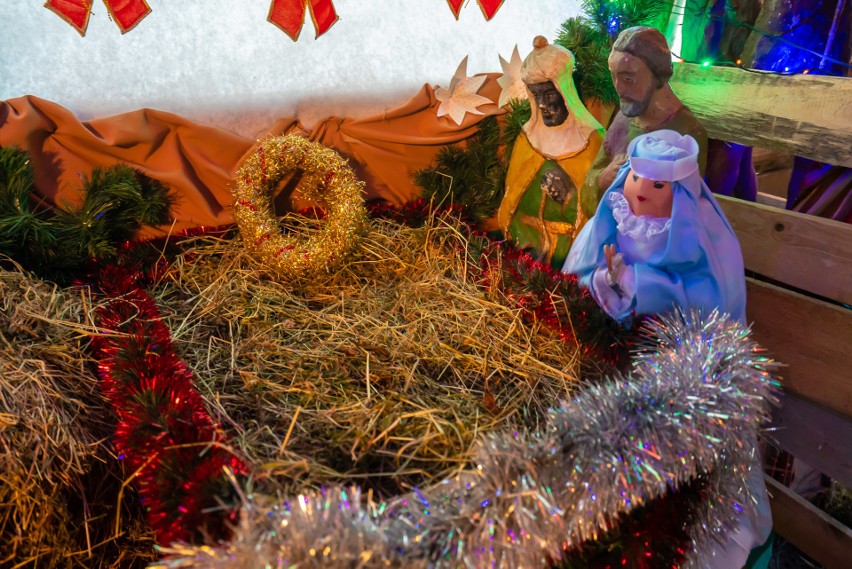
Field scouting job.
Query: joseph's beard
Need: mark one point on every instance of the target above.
(631, 108)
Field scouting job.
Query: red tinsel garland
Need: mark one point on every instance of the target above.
(170, 443)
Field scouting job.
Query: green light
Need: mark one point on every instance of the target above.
(707, 63)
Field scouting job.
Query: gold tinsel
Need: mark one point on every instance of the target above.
(328, 180)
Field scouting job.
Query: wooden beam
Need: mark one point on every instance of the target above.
(806, 115)
(817, 436)
(804, 251)
(814, 532)
(811, 337)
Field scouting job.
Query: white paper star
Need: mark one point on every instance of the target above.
(461, 97)
(510, 82)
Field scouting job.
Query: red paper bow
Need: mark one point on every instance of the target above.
(289, 15)
(125, 13)
(488, 7)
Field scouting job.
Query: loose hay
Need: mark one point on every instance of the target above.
(58, 478)
(383, 373)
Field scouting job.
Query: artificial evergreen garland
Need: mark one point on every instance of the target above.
(56, 244)
(591, 49)
(518, 115)
(611, 17)
(471, 176)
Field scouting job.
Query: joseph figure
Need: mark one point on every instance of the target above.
(641, 65)
(540, 210)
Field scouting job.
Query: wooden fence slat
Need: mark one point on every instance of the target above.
(804, 251)
(805, 115)
(811, 337)
(819, 437)
(814, 532)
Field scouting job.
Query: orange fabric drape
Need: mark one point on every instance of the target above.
(198, 161)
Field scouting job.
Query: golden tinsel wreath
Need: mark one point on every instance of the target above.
(328, 180)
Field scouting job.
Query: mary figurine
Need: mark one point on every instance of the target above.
(659, 238)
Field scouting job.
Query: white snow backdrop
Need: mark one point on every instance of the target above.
(220, 62)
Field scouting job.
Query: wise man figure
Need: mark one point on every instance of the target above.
(640, 64)
(540, 210)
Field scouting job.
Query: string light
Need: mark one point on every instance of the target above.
(779, 37)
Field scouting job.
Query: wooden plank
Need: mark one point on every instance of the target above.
(815, 533)
(817, 436)
(811, 337)
(804, 251)
(771, 200)
(806, 115)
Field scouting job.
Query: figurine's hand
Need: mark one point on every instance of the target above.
(614, 264)
(558, 185)
(607, 175)
(609, 253)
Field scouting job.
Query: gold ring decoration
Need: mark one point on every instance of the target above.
(327, 180)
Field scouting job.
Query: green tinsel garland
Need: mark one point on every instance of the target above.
(55, 243)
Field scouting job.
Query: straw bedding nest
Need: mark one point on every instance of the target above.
(58, 477)
(382, 373)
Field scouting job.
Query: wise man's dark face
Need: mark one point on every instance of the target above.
(550, 103)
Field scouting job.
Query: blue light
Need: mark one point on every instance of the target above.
(799, 40)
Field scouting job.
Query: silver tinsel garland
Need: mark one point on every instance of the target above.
(691, 407)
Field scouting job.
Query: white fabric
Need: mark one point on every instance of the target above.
(753, 527)
(641, 227)
(664, 156)
(607, 296)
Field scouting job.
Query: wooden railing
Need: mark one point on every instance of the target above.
(799, 298)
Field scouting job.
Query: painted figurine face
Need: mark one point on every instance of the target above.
(634, 82)
(550, 103)
(648, 197)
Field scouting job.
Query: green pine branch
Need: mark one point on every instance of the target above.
(470, 176)
(590, 36)
(55, 244)
(611, 17)
(518, 115)
(591, 50)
